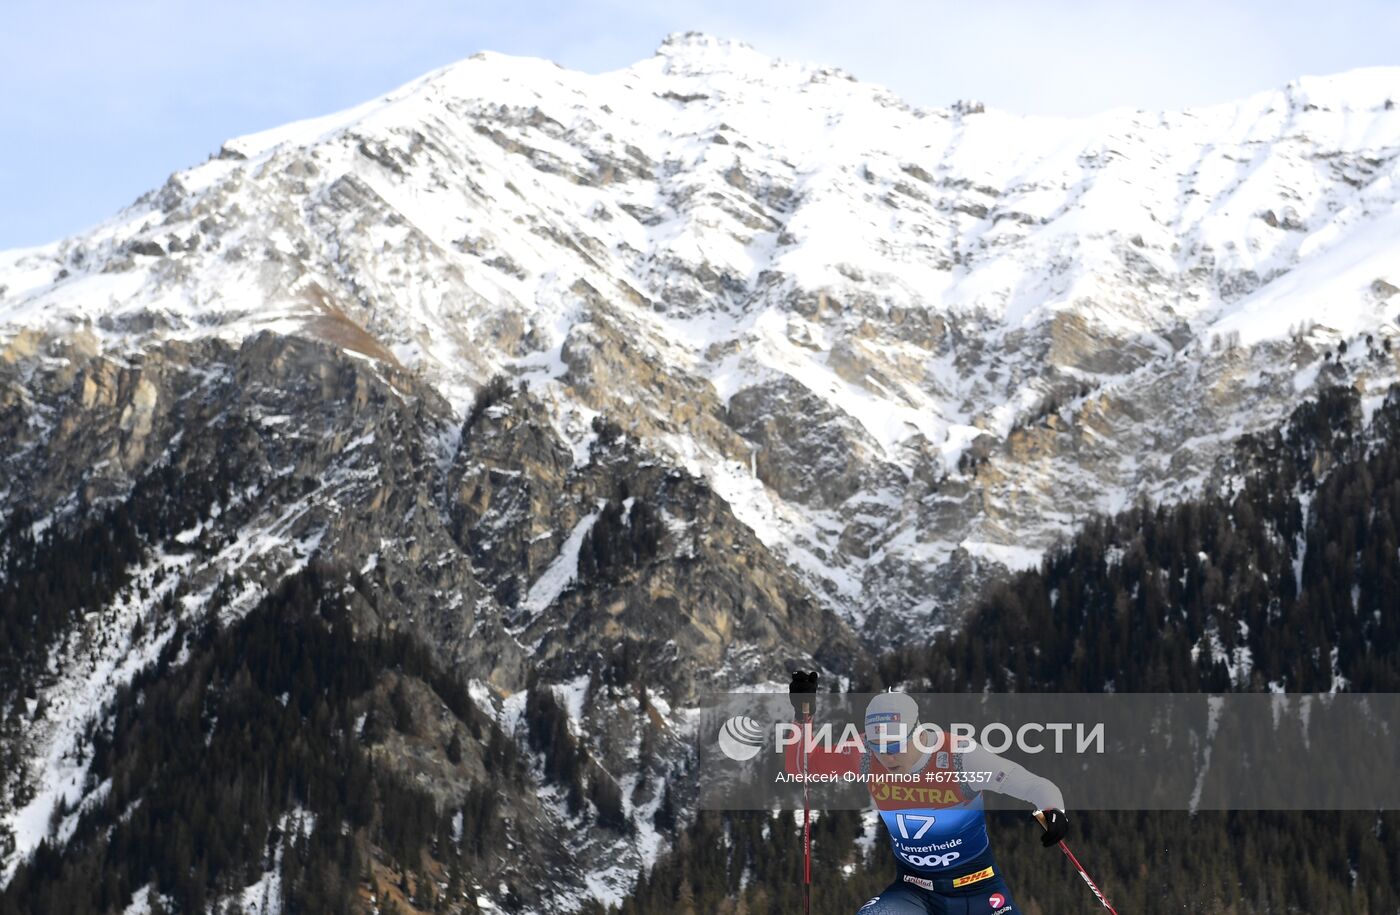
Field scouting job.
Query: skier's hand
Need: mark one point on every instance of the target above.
(1056, 823)
(802, 691)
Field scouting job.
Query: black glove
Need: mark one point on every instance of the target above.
(1056, 823)
(803, 690)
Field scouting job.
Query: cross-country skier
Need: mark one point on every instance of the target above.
(933, 815)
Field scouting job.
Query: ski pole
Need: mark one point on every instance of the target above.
(1040, 818)
(806, 814)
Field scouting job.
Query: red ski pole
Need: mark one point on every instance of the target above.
(1040, 818)
(806, 814)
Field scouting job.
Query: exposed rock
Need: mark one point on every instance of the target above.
(804, 449)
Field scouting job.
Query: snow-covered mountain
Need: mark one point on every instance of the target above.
(852, 358)
(768, 269)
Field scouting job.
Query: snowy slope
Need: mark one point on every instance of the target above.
(977, 326)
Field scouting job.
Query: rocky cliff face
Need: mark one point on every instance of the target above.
(788, 370)
(613, 554)
(515, 557)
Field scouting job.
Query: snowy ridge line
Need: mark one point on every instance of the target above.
(477, 84)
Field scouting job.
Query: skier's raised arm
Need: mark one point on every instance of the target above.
(818, 759)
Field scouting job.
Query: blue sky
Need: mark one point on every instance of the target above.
(99, 102)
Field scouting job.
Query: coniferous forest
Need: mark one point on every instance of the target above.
(276, 713)
(252, 744)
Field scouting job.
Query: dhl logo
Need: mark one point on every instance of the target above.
(973, 877)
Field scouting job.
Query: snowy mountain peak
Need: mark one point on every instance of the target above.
(846, 313)
(701, 45)
(699, 54)
(1365, 89)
